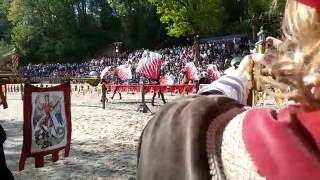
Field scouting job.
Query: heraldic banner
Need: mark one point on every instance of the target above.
(47, 123)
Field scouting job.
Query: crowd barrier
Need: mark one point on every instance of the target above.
(152, 88)
(102, 89)
(75, 88)
(86, 88)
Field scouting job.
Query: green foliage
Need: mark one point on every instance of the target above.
(246, 16)
(58, 30)
(141, 27)
(45, 31)
(4, 23)
(41, 28)
(256, 7)
(124, 7)
(186, 17)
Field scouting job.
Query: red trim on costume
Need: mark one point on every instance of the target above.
(284, 145)
(311, 3)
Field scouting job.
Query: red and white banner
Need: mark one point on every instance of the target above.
(191, 71)
(47, 123)
(3, 98)
(150, 65)
(213, 72)
(167, 80)
(104, 72)
(124, 88)
(151, 88)
(124, 72)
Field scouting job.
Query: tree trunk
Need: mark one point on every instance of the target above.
(126, 26)
(253, 32)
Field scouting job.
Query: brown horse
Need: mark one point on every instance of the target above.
(175, 143)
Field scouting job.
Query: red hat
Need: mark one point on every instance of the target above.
(311, 3)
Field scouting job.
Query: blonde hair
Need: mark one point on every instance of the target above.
(299, 55)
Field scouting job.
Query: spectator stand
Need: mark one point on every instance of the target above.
(9, 62)
(213, 51)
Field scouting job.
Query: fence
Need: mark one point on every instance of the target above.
(83, 89)
(75, 88)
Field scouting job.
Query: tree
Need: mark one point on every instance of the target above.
(186, 17)
(265, 13)
(141, 27)
(39, 28)
(4, 23)
(51, 31)
(147, 29)
(247, 16)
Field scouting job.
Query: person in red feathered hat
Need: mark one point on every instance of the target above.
(216, 136)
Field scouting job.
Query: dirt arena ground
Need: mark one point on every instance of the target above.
(104, 142)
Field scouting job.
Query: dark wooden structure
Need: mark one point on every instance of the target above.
(9, 62)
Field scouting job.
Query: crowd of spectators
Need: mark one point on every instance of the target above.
(212, 52)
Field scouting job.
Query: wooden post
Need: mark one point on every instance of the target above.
(143, 106)
(103, 96)
(5, 89)
(22, 90)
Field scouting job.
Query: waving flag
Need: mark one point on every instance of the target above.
(150, 65)
(167, 80)
(124, 72)
(213, 72)
(191, 71)
(104, 72)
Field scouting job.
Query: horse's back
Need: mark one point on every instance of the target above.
(173, 145)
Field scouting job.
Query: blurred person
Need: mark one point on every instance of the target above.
(5, 173)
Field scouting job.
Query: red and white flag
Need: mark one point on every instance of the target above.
(104, 73)
(167, 80)
(150, 65)
(213, 72)
(191, 71)
(124, 72)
